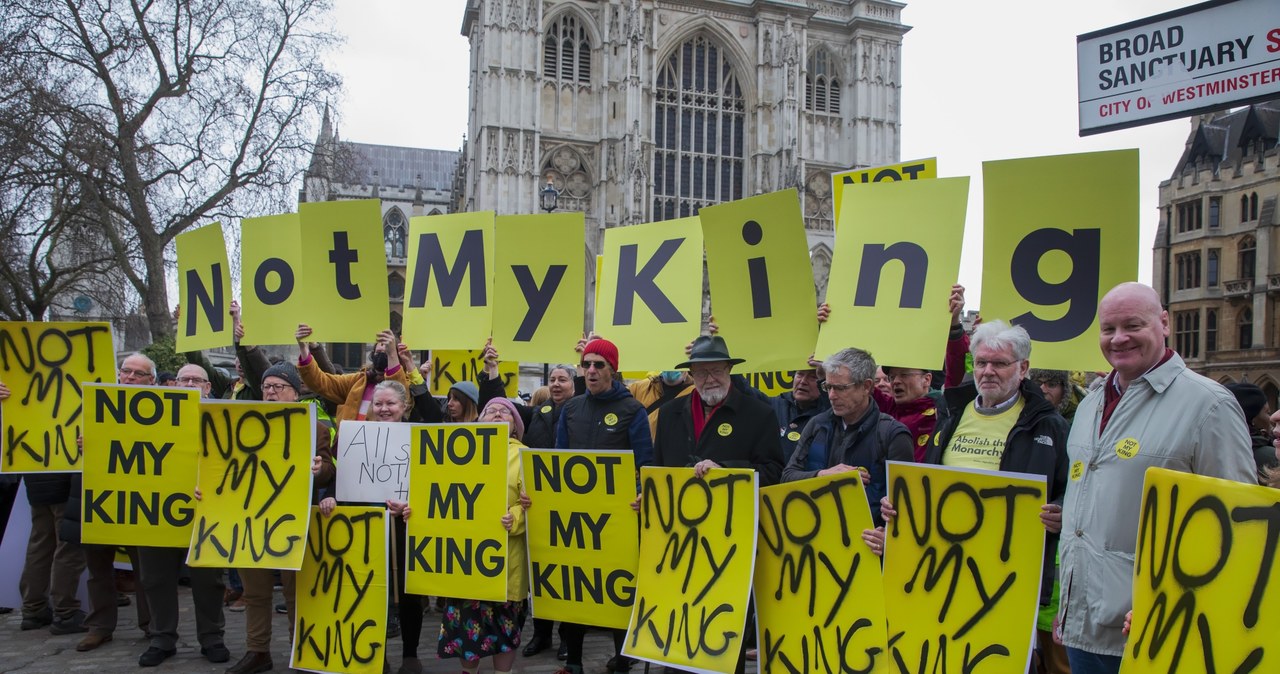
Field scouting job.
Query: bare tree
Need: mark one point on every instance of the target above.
(175, 112)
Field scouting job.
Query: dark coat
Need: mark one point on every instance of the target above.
(792, 419)
(611, 420)
(741, 433)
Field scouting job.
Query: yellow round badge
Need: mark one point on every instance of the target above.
(922, 440)
(1077, 470)
(610, 419)
(793, 436)
(929, 412)
(724, 430)
(545, 409)
(1127, 448)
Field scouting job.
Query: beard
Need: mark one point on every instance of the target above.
(714, 397)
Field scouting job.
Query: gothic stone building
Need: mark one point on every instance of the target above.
(646, 110)
(1217, 250)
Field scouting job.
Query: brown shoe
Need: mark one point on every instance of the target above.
(92, 641)
(253, 662)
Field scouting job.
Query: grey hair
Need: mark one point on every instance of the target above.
(139, 354)
(997, 335)
(859, 364)
(393, 385)
(570, 370)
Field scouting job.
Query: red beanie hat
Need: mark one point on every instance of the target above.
(605, 349)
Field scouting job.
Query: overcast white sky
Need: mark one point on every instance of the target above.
(982, 80)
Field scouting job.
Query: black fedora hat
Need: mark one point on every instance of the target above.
(709, 349)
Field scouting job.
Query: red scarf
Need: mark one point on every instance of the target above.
(699, 415)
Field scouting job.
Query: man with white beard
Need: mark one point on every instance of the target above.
(716, 426)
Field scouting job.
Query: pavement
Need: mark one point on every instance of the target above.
(39, 652)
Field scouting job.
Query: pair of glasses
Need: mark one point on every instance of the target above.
(704, 374)
(594, 364)
(997, 364)
(274, 388)
(126, 372)
(188, 381)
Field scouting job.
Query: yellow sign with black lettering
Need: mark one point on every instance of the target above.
(921, 169)
(342, 593)
(1204, 575)
(962, 567)
(649, 299)
(762, 292)
(771, 383)
(456, 543)
(450, 280)
(817, 584)
(697, 556)
(1058, 233)
(895, 260)
(583, 536)
(255, 483)
(140, 449)
(45, 366)
(344, 260)
(449, 367)
(273, 297)
(204, 286)
(539, 286)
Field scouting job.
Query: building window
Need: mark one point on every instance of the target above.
(395, 286)
(1215, 212)
(395, 233)
(1188, 270)
(1244, 208)
(699, 131)
(1189, 216)
(1212, 272)
(1210, 330)
(566, 51)
(1245, 326)
(1186, 333)
(821, 86)
(1253, 206)
(1248, 258)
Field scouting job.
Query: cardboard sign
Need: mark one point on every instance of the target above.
(450, 280)
(921, 169)
(344, 263)
(272, 297)
(539, 287)
(374, 456)
(449, 367)
(204, 284)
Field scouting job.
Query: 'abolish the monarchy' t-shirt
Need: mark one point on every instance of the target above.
(979, 439)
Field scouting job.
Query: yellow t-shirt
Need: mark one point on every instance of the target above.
(979, 439)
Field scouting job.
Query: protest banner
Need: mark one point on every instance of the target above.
(344, 266)
(762, 292)
(1058, 233)
(342, 593)
(374, 456)
(895, 260)
(140, 449)
(449, 367)
(818, 588)
(204, 286)
(255, 478)
(697, 556)
(457, 546)
(45, 366)
(582, 534)
(538, 287)
(649, 292)
(1204, 577)
(962, 568)
(920, 169)
(771, 383)
(272, 293)
(450, 280)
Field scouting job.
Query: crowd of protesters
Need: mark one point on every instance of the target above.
(846, 413)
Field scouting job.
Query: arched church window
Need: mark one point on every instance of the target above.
(395, 233)
(566, 51)
(698, 131)
(821, 85)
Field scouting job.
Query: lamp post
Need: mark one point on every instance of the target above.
(548, 198)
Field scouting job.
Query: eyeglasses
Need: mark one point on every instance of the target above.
(188, 381)
(596, 364)
(708, 373)
(997, 364)
(126, 372)
(828, 386)
(273, 388)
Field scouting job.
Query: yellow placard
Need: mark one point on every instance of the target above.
(45, 365)
(1059, 232)
(342, 593)
(255, 480)
(649, 292)
(344, 262)
(894, 263)
(762, 291)
(583, 536)
(272, 293)
(697, 555)
(204, 284)
(539, 286)
(920, 169)
(449, 289)
(1204, 576)
(140, 449)
(817, 585)
(962, 567)
(457, 546)
(449, 367)
(771, 383)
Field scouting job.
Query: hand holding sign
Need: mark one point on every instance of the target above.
(303, 332)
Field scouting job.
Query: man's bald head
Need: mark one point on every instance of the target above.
(1133, 327)
(1136, 295)
(194, 376)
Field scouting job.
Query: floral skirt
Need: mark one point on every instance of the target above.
(474, 629)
